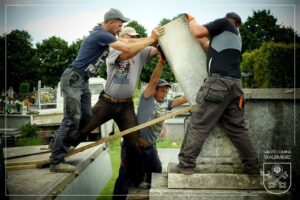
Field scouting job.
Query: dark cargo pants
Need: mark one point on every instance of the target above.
(218, 99)
(124, 116)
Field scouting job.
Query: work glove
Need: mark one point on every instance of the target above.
(188, 16)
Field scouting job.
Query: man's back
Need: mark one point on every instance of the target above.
(224, 52)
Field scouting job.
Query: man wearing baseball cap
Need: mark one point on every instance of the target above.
(115, 102)
(221, 98)
(74, 80)
(153, 104)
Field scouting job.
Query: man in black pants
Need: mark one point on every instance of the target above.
(220, 98)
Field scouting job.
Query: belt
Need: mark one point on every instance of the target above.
(114, 100)
(225, 77)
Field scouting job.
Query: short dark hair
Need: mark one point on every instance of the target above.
(236, 17)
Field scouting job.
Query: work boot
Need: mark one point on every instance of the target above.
(184, 170)
(62, 168)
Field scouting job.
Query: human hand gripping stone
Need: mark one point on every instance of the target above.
(157, 32)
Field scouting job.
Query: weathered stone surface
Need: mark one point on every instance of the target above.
(203, 180)
(137, 194)
(192, 194)
(190, 57)
(218, 149)
(162, 192)
(159, 180)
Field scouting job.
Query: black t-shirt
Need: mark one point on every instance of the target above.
(224, 52)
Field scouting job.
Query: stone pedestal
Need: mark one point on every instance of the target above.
(218, 149)
(214, 187)
(217, 176)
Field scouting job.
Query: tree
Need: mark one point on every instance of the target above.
(166, 74)
(19, 57)
(54, 57)
(263, 27)
(2, 63)
(139, 28)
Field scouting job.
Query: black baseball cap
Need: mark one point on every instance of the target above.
(163, 82)
(236, 17)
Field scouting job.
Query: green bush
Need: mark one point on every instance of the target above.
(29, 130)
(272, 64)
(24, 87)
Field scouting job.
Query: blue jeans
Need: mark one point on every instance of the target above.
(151, 162)
(77, 111)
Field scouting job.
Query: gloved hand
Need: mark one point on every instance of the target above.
(189, 17)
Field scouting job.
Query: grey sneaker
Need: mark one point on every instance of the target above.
(62, 168)
(144, 185)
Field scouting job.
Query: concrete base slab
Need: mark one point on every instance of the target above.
(202, 180)
(160, 191)
(137, 194)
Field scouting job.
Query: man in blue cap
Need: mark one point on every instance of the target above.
(74, 80)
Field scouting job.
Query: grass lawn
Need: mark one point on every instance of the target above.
(115, 156)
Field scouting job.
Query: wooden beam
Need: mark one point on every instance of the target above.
(40, 163)
(130, 130)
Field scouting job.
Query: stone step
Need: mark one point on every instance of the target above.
(135, 193)
(200, 180)
(159, 191)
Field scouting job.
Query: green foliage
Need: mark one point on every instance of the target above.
(29, 141)
(166, 74)
(138, 27)
(19, 58)
(29, 130)
(54, 58)
(102, 71)
(24, 87)
(2, 63)
(263, 27)
(272, 64)
(115, 156)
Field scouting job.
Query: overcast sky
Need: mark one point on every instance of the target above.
(72, 19)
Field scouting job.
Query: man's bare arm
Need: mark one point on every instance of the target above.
(129, 49)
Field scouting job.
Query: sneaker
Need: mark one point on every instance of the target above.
(144, 185)
(62, 168)
(184, 170)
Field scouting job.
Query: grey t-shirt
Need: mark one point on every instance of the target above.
(122, 76)
(150, 109)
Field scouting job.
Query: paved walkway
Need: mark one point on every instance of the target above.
(168, 155)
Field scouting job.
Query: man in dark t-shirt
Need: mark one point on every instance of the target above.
(220, 98)
(74, 81)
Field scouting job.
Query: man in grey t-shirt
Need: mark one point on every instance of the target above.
(115, 102)
(153, 104)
